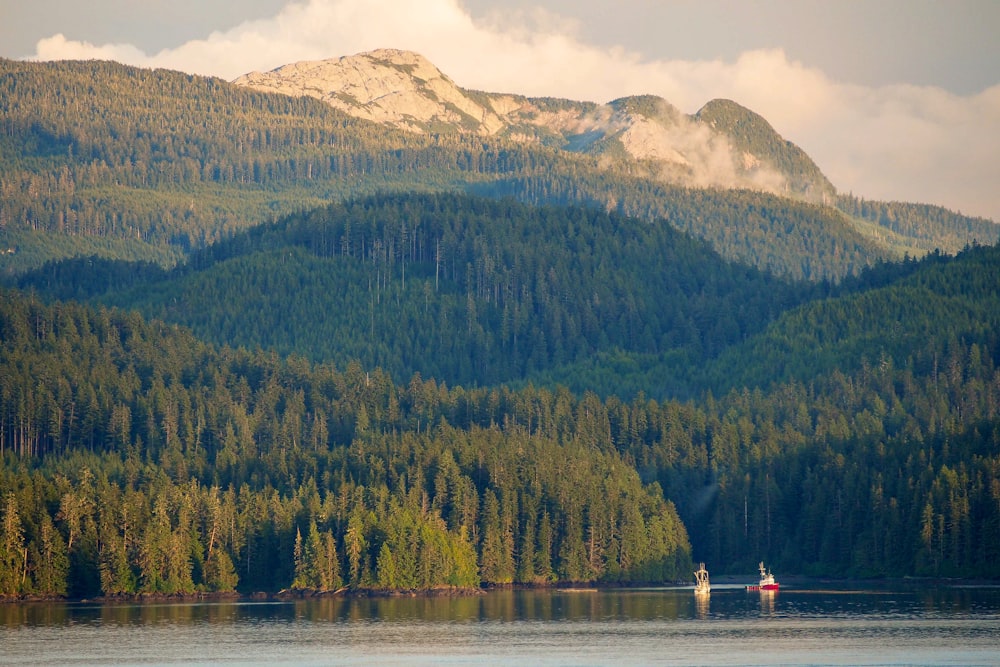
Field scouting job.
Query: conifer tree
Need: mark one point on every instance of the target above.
(13, 555)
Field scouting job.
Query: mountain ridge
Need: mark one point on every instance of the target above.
(403, 89)
(121, 162)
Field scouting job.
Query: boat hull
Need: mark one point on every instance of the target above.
(765, 587)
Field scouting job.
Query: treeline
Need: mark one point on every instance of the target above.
(466, 290)
(140, 461)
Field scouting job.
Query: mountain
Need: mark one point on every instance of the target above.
(127, 163)
(258, 343)
(398, 88)
(723, 145)
(753, 138)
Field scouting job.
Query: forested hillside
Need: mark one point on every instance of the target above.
(128, 163)
(466, 290)
(477, 292)
(934, 304)
(862, 432)
(925, 228)
(138, 459)
(249, 343)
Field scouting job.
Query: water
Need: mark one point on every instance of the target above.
(806, 625)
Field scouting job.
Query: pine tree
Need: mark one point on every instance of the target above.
(13, 556)
(301, 580)
(51, 560)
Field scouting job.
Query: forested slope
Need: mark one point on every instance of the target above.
(933, 304)
(466, 290)
(139, 460)
(413, 391)
(131, 163)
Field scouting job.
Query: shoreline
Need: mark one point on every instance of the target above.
(794, 581)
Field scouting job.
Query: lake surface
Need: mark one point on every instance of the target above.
(804, 625)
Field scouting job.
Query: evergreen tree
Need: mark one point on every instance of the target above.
(13, 554)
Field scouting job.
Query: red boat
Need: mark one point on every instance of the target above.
(767, 582)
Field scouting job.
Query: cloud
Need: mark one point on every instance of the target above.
(894, 142)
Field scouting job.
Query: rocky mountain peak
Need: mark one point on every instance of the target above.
(723, 145)
(391, 86)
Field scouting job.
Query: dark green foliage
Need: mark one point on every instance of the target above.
(82, 278)
(161, 462)
(933, 303)
(468, 291)
(350, 427)
(783, 236)
(169, 467)
(874, 449)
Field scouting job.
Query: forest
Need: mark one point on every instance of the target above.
(141, 460)
(467, 290)
(98, 158)
(249, 344)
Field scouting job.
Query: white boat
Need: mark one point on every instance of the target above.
(701, 585)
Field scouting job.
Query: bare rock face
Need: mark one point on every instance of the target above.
(723, 145)
(389, 86)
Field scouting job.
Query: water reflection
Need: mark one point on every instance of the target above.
(701, 605)
(576, 605)
(767, 602)
(501, 605)
(15, 615)
(518, 605)
(580, 605)
(553, 627)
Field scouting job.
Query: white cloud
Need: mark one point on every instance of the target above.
(58, 47)
(895, 142)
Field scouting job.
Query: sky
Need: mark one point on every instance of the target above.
(894, 99)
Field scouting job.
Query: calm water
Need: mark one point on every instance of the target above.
(806, 625)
